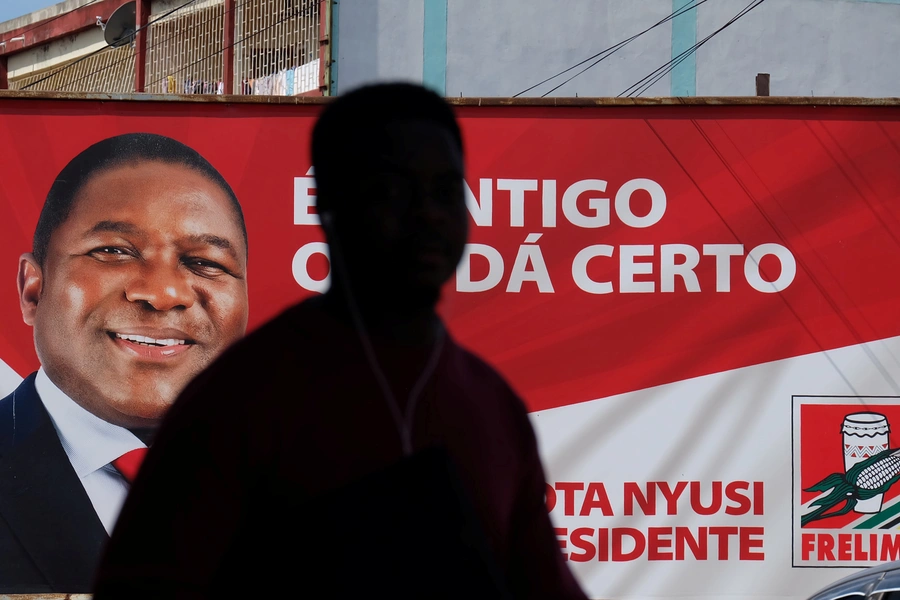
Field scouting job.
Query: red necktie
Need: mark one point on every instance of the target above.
(129, 463)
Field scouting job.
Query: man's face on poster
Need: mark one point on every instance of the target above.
(142, 286)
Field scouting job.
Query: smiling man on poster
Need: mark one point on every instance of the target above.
(136, 282)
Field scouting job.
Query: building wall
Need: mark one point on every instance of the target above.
(379, 40)
(501, 47)
(160, 7)
(57, 52)
(810, 48)
(60, 51)
(184, 44)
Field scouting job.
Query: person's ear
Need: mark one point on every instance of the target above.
(30, 282)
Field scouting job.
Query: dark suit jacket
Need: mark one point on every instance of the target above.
(50, 536)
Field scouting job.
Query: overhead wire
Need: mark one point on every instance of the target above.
(156, 43)
(677, 13)
(649, 80)
(99, 50)
(313, 6)
(672, 64)
(310, 8)
(606, 53)
(67, 66)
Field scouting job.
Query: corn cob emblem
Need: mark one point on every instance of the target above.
(862, 481)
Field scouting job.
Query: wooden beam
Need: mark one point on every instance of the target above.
(325, 58)
(228, 49)
(4, 74)
(142, 17)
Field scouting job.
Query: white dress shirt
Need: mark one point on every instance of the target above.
(91, 445)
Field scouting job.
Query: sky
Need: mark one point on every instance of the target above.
(10, 9)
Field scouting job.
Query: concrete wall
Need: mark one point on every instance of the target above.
(56, 52)
(501, 47)
(515, 44)
(379, 40)
(810, 47)
(160, 7)
(73, 46)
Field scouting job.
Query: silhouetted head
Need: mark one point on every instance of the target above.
(137, 279)
(388, 163)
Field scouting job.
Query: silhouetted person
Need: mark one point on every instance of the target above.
(350, 448)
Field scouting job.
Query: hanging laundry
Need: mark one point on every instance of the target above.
(279, 85)
(298, 80)
(289, 82)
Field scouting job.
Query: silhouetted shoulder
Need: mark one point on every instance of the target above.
(488, 377)
(252, 366)
(490, 400)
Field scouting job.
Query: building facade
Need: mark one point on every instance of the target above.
(502, 47)
(466, 47)
(267, 47)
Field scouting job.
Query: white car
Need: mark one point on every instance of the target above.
(875, 583)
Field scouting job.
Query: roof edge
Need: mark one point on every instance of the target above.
(488, 101)
(681, 101)
(40, 15)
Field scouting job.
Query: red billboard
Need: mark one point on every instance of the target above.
(692, 300)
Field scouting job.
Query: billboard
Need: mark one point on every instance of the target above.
(697, 303)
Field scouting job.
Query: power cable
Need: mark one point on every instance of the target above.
(670, 66)
(672, 16)
(604, 54)
(646, 82)
(310, 8)
(307, 10)
(150, 47)
(86, 56)
(71, 64)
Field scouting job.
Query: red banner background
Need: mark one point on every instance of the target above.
(823, 182)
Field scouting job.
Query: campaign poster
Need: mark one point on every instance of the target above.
(698, 304)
